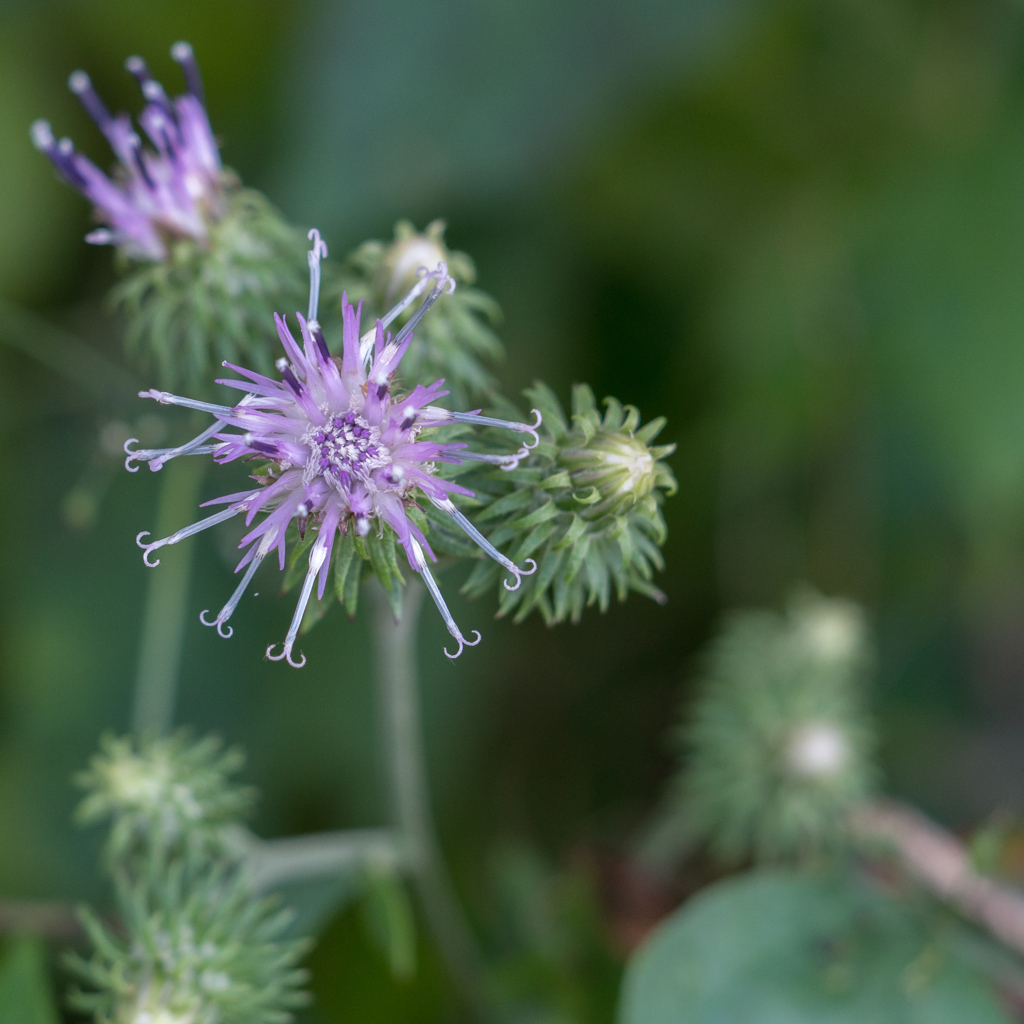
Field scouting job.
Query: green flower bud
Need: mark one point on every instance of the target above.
(586, 506)
(778, 747)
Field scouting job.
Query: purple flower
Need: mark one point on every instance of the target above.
(171, 191)
(345, 452)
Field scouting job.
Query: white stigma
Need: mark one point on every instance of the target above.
(817, 750)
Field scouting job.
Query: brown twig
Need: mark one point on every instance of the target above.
(940, 862)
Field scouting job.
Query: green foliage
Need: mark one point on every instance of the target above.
(552, 963)
(585, 507)
(162, 792)
(389, 920)
(778, 947)
(456, 341)
(199, 948)
(215, 301)
(193, 943)
(778, 744)
(25, 994)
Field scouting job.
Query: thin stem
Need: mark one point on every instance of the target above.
(274, 862)
(163, 626)
(410, 794)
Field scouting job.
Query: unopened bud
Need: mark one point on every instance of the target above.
(410, 251)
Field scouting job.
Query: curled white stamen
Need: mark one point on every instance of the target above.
(146, 548)
(182, 534)
(419, 563)
(131, 455)
(316, 560)
(463, 642)
(482, 542)
(366, 342)
(228, 610)
(225, 631)
(285, 653)
(443, 415)
(318, 252)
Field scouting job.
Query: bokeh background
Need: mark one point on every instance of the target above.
(794, 227)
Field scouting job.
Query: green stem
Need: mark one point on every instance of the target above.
(274, 862)
(163, 625)
(410, 795)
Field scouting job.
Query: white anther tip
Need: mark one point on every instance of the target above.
(134, 64)
(181, 51)
(78, 82)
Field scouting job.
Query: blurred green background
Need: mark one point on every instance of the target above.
(795, 228)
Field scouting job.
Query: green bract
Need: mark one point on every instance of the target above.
(215, 301)
(585, 506)
(457, 341)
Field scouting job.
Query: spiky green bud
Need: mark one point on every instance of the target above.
(586, 506)
(778, 747)
(197, 948)
(165, 792)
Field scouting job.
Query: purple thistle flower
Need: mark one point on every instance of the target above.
(345, 452)
(171, 191)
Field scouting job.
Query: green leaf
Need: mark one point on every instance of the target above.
(781, 947)
(390, 922)
(26, 996)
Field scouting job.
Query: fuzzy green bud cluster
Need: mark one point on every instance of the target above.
(457, 342)
(194, 944)
(586, 506)
(778, 748)
(165, 792)
(213, 300)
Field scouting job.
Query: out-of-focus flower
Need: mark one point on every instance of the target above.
(341, 452)
(164, 790)
(173, 190)
(206, 261)
(779, 744)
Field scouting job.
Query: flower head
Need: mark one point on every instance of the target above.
(170, 191)
(343, 450)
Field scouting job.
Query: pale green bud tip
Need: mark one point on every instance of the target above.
(832, 630)
(405, 260)
(617, 464)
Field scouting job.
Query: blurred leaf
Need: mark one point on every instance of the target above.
(25, 988)
(389, 920)
(781, 947)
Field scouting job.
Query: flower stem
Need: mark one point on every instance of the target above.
(410, 796)
(163, 625)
